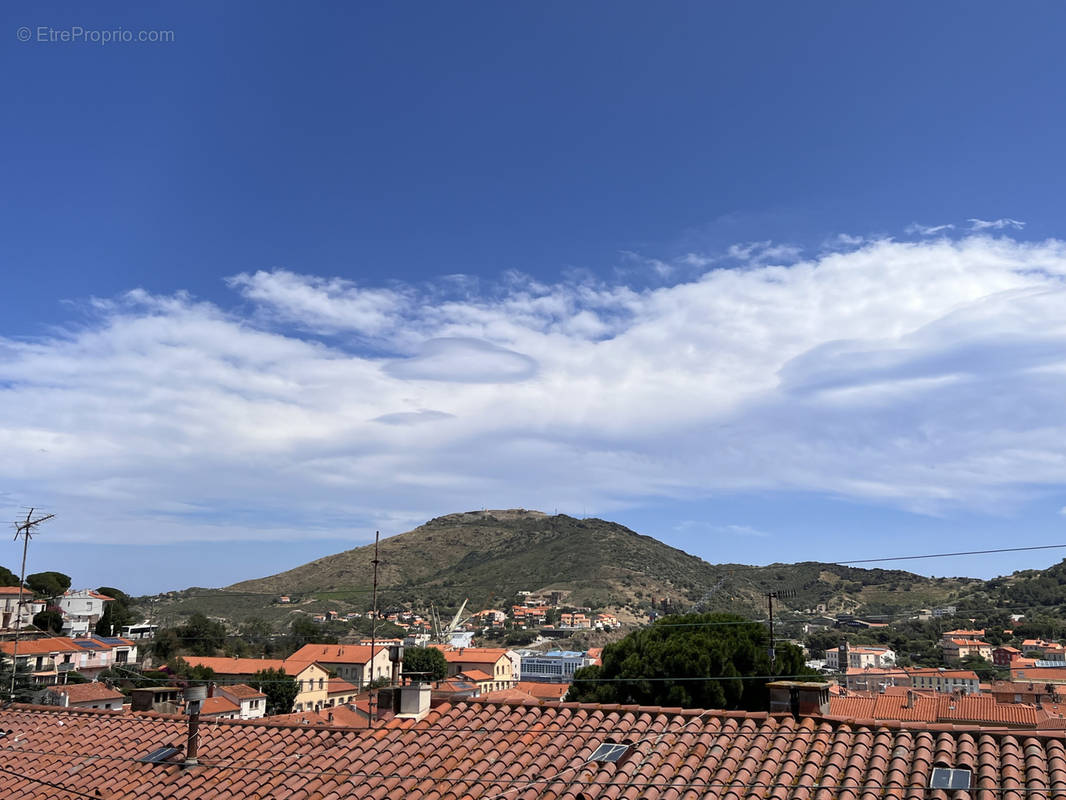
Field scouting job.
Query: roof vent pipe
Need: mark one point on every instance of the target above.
(194, 696)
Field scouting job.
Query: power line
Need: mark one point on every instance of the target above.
(43, 782)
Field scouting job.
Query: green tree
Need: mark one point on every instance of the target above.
(166, 643)
(201, 636)
(692, 661)
(425, 659)
(280, 690)
(8, 578)
(49, 620)
(181, 668)
(305, 631)
(116, 614)
(25, 685)
(48, 584)
(985, 669)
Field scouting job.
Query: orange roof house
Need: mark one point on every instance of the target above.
(523, 751)
(493, 661)
(352, 662)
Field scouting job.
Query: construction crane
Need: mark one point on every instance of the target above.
(443, 633)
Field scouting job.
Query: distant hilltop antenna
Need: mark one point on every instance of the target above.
(24, 529)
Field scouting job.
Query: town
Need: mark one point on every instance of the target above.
(169, 687)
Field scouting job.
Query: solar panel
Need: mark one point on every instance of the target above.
(609, 752)
(953, 779)
(160, 755)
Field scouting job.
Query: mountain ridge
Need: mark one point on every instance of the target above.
(489, 555)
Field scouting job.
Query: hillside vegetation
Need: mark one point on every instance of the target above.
(488, 556)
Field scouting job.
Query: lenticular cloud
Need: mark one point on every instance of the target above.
(917, 374)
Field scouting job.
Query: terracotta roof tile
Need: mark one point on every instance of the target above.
(235, 666)
(218, 705)
(240, 691)
(52, 644)
(86, 692)
(519, 750)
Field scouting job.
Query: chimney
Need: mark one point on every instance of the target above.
(194, 696)
(396, 657)
(412, 701)
(142, 699)
(799, 698)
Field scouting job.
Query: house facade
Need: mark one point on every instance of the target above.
(85, 695)
(494, 662)
(81, 611)
(10, 616)
(311, 678)
(46, 659)
(251, 703)
(861, 657)
(956, 650)
(351, 662)
(945, 680)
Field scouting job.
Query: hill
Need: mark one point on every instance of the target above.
(488, 556)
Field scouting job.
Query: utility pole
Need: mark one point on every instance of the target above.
(25, 530)
(770, 597)
(374, 630)
(770, 601)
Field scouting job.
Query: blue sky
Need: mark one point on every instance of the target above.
(307, 271)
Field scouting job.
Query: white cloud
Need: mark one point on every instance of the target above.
(923, 375)
(928, 230)
(995, 224)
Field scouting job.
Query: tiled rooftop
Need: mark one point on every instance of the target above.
(341, 686)
(474, 655)
(333, 654)
(235, 666)
(87, 692)
(915, 706)
(521, 752)
(241, 691)
(218, 705)
(475, 675)
(544, 691)
(39, 647)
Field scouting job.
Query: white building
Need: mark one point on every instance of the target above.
(85, 695)
(81, 610)
(554, 666)
(10, 618)
(861, 657)
(252, 702)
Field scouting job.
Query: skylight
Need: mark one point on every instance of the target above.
(160, 755)
(609, 752)
(953, 779)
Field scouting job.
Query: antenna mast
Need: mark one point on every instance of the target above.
(24, 529)
(374, 630)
